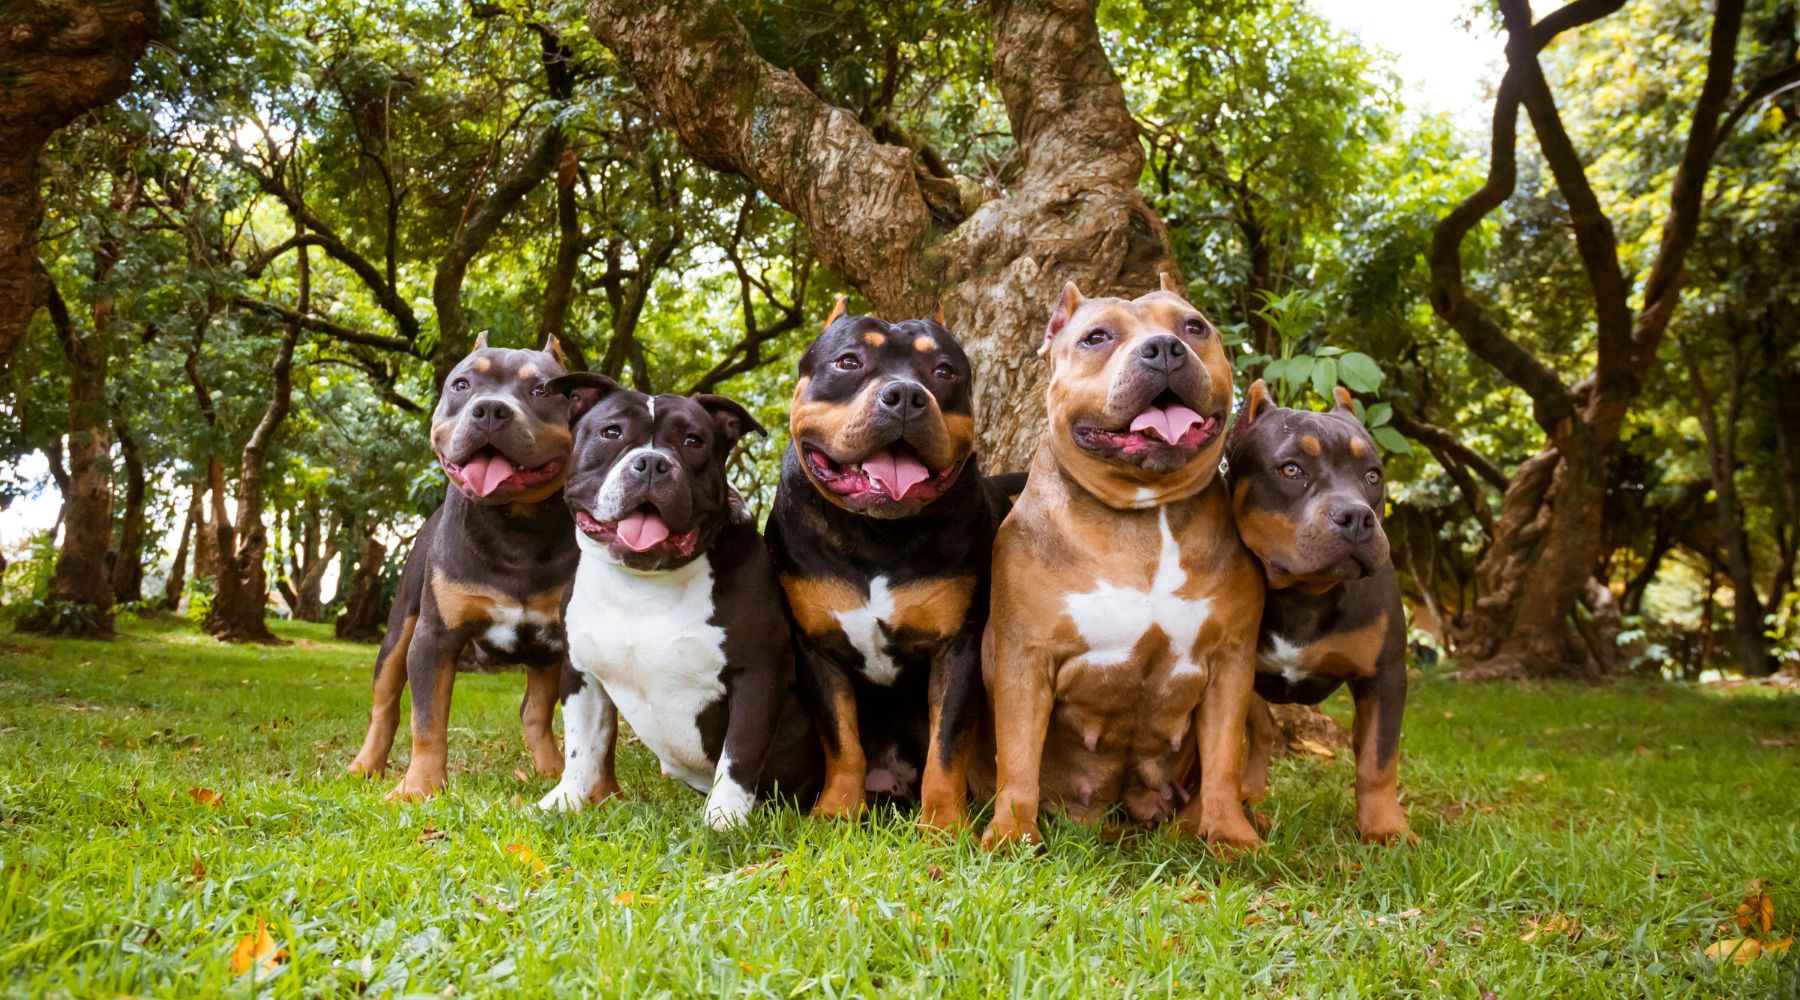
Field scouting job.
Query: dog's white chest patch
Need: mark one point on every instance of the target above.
(506, 620)
(648, 639)
(1112, 619)
(1282, 657)
(863, 627)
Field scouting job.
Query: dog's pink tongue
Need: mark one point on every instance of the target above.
(642, 529)
(485, 473)
(1168, 423)
(896, 472)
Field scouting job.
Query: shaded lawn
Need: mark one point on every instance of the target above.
(1573, 842)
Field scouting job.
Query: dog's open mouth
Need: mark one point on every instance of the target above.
(489, 471)
(1167, 423)
(640, 530)
(892, 473)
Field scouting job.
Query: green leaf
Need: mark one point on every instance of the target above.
(1379, 414)
(1329, 352)
(1325, 378)
(1360, 372)
(1392, 440)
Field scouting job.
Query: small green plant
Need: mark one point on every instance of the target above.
(1323, 368)
(200, 590)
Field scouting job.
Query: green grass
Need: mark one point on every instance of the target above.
(1529, 806)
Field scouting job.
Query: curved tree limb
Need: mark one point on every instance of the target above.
(860, 198)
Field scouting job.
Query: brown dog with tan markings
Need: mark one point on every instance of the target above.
(488, 567)
(1121, 642)
(1307, 491)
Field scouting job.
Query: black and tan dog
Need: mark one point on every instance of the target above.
(1121, 643)
(1307, 490)
(488, 567)
(881, 529)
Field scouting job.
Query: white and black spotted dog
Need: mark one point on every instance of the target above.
(674, 617)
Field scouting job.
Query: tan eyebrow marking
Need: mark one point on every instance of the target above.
(873, 339)
(1357, 448)
(1310, 444)
(482, 364)
(924, 345)
(527, 371)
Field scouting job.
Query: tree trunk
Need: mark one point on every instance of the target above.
(1548, 540)
(191, 526)
(1075, 214)
(81, 594)
(128, 563)
(312, 556)
(365, 612)
(60, 59)
(241, 598)
(1531, 579)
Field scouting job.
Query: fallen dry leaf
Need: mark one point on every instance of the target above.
(1757, 911)
(526, 856)
(520, 774)
(206, 797)
(199, 870)
(629, 898)
(1743, 951)
(1318, 749)
(256, 951)
(1641, 750)
(429, 834)
(1557, 923)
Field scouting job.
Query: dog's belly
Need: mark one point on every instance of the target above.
(649, 640)
(1121, 733)
(1123, 711)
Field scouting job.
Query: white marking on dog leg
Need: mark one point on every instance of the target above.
(587, 730)
(729, 803)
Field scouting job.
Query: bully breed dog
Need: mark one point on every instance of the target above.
(674, 616)
(882, 531)
(1121, 644)
(488, 567)
(1307, 490)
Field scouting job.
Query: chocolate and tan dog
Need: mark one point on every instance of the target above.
(1121, 642)
(488, 567)
(1307, 490)
(882, 530)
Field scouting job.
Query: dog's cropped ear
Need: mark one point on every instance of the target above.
(1256, 401)
(1066, 304)
(480, 342)
(553, 347)
(1344, 401)
(730, 417)
(1171, 285)
(584, 389)
(837, 311)
(937, 315)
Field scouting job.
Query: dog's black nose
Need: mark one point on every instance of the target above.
(1163, 353)
(904, 399)
(1355, 522)
(490, 414)
(651, 466)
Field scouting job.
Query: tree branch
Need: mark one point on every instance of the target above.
(859, 198)
(318, 324)
(1439, 438)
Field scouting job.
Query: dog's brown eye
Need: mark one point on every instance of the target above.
(1291, 470)
(612, 432)
(1196, 327)
(1373, 476)
(944, 371)
(1095, 338)
(460, 385)
(848, 363)
(692, 441)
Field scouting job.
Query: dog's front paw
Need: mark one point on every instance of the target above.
(565, 797)
(728, 807)
(1006, 831)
